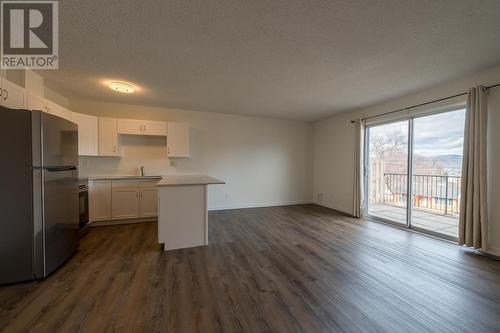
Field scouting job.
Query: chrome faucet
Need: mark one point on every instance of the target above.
(142, 171)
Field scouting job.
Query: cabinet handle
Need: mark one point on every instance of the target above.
(114, 149)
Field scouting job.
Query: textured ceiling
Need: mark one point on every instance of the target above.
(280, 58)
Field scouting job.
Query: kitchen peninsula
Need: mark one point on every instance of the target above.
(182, 210)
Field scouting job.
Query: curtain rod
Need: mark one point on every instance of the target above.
(422, 104)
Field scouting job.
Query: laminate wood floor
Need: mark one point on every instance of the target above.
(283, 269)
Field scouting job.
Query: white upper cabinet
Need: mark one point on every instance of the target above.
(142, 127)
(11, 95)
(36, 102)
(177, 139)
(152, 127)
(58, 110)
(108, 137)
(33, 83)
(35, 90)
(129, 126)
(88, 134)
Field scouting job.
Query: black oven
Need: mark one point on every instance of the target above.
(83, 194)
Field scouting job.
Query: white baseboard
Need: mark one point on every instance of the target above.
(332, 206)
(493, 251)
(117, 222)
(272, 204)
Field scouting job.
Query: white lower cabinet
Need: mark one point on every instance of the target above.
(123, 199)
(100, 200)
(149, 201)
(125, 203)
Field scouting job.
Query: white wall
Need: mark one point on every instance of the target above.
(333, 146)
(264, 161)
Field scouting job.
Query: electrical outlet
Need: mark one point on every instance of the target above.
(320, 197)
(173, 163)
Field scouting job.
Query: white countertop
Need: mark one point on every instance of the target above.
(166, 180)
(124, 177)
(176, 180)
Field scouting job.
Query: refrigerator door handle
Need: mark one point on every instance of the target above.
(38, 226)
(62, 168)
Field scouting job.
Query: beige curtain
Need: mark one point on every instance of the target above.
(473, 226)
(358, 168)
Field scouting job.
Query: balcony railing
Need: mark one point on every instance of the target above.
(437, 194)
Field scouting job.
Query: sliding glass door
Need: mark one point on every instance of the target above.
(429, 148)
(388, 171)
(437, 170)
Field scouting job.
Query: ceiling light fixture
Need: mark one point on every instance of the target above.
(122, 87)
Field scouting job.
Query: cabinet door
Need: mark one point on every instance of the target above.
(150, 127)
(108, 137)
(13, 96)
(177, 139)
(149, 202)
(129, 126)
(60, 111)
(100, 200)
(125, 203)
(33, 82)
(36, 102)
(88, 129)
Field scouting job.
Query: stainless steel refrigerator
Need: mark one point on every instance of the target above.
(38, 193)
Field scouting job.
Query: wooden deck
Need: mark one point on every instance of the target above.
(442, 224)
(278, 269)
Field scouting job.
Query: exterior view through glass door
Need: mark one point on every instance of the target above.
(430, 149)
(388, 171)
(437, 170)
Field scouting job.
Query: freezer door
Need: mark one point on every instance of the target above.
(59, 143)
(60, 216)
